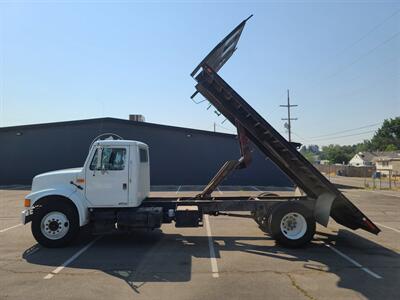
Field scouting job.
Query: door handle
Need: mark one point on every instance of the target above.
(124, 186)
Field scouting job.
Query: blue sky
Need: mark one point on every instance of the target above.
(70, 60)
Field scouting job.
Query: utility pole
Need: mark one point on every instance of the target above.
(289, 119)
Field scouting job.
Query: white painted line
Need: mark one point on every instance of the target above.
(214, 265)
(352, 195)
(5, 229)
(33, 251)
(257, 189)
(394, 229)
(177, 191)
(70, 260)
(219, 190)
(366, 270)
(384, 194)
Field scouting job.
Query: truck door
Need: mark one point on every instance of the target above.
(107, 177)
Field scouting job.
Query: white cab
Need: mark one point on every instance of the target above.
(117, 174)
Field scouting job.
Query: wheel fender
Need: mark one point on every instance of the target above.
(71, 194)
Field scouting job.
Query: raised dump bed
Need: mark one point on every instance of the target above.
(329, 201)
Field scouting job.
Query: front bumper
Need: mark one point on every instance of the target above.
(26, 216)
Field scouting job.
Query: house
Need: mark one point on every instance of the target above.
(388, 163)
(362, 159)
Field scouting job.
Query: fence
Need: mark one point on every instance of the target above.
(348, 171)
(362, 176)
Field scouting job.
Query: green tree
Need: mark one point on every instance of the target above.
(388, 134)
(386, 138)
(390, 147)
(365, 146)
(336, 154)
(309, 156)
(310, 153)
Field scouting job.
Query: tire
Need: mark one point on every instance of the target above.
(261, 216)
(291, 224)
(263, 219)
(55, 223)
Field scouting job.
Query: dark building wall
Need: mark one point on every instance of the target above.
(178, 156)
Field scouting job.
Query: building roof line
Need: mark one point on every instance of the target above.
(110, 119)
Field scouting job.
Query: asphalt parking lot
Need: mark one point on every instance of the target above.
(228, 257)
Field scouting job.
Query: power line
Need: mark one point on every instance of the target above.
(301, 138)
(373, 29)
(342, 136)
(354, 134)
(356, 92)
(363, 55)
(347, 130)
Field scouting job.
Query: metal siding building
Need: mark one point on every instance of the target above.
(178, 156)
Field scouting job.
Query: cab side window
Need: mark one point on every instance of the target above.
(143, 155)
(112, 159)
(95, 159)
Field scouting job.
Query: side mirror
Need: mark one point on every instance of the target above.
(99, 155)
(103, 169)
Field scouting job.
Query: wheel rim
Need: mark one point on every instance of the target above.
(54, 225)
(293, 226)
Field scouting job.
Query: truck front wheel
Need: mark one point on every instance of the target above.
(291, 224)
(55, 224)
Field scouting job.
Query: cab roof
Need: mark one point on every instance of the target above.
(120, 143)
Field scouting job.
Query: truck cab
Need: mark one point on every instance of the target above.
(116, 174)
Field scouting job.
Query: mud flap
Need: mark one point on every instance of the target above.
(322, 209)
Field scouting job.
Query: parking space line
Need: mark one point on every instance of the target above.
(394, 229)
(70, 260)
(351, 194)
(366, 270)
(257, 189)
(214, 265)
(177, 191)
(32, 250)
(383, 194)
(5, 229)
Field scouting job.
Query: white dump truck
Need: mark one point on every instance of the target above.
(111, 191)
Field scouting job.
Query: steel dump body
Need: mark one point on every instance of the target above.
(327, 198)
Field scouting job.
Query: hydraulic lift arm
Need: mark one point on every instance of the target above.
(230, 165)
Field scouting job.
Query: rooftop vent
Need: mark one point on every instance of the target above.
(136, 118)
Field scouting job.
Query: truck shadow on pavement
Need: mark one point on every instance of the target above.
(347, 187)
(155, 256)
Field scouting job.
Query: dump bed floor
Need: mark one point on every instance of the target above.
(273, 145)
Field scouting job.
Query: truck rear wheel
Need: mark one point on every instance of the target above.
(261, 215)
(263, 219)
(55, 224)
(291, 224)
